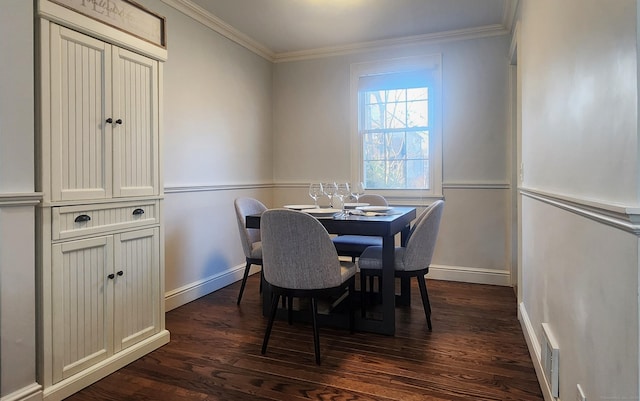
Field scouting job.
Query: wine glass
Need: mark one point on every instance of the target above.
(330, 189)
(315, 191)
(357, 190)
(342, 192)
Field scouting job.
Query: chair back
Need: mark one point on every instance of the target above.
(422, 239)
(248, 236)
(373, 200)
(297, 251)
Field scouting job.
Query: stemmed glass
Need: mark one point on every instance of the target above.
(357, 190)
(315, 191)
(330, 189)
(342, 192)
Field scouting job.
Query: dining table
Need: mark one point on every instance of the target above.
(385, 225)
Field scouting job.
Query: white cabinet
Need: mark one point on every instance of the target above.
(104, 119)
(105, 297)
(100, 233)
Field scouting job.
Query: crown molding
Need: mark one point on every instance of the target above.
(209, 20)
(431, 38)
(201, 15)
(509, 10)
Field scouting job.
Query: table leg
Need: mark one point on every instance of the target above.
(404, 299)
(388, 286)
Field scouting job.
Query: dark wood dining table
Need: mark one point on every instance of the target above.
(385, 226)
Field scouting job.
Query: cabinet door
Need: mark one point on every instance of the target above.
(82, 299)
(135, 137)
(137, 296)
(80, 83)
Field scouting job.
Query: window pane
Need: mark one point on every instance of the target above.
(373, 117)
(396, 95)
(396, 146)
(417, 94)
(418, 145)
(418, 174)
(396, 174)
(396, 115)
(418, 114)
(374, 173)
(374, 146)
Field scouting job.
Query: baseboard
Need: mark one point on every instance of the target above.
(32, 392)
(200, 288)
(77, 382)
(534, 350)
(470, 275)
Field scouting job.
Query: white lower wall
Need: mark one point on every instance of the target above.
(581, 277)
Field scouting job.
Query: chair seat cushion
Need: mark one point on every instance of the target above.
(347, 269)
(256, 250)
(354, 244)
(371, 258)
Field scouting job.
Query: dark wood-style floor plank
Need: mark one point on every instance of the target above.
(476, 351)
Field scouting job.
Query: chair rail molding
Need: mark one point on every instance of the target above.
(623, 217)
(20, 199)
(215, 188)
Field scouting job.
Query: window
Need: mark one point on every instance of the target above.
(397, 137)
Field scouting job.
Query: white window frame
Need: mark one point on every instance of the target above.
(433, 63)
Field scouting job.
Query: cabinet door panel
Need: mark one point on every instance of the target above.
(137, 297)
(80, 104)
(135, 139)
(81, 304)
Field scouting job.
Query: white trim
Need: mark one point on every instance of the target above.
(476, 275)
(207, 285)
(209, 20)
(623, 217)
(32, 392)
(427, 39)
(509, 9)
(214, 188)
(20, 199)
(534, 350)
(476, 185)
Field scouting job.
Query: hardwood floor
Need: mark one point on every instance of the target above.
(476, 352)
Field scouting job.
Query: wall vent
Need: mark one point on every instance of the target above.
(549, 359)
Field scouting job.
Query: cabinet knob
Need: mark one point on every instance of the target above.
(82, 218)
(109, 120)
(120, 273)
(119, 121)
(111, 276)
(138, 211)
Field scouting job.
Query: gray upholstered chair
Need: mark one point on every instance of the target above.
(250, 237)
(299, 260)
(354, 245)
(414, 259)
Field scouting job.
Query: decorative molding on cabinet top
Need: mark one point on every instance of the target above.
(213, 188)
(201, 15)
(82, 23)
(623, 217)
(20, 199)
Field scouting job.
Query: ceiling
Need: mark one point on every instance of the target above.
(289, 26)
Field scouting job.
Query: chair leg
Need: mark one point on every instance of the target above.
(274, 307)
(260, 281)
(425, 299)
(290, 309)
(244, 281)
(316, 336)
(352, 291)
(363, 293)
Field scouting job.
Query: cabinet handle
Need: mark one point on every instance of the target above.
(111, 276)
(82, 218)
(119, 121)
(109, 120)
(138, 211)
(120, 273)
